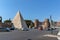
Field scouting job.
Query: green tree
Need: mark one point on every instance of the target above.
(29, 23)
(7, 21)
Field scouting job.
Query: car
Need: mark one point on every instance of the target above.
(50, 29)
(7, 29)
(4, 30)
(12, 28)
(24, 29)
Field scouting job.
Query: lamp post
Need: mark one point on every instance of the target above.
(51, 21)
(51, 24)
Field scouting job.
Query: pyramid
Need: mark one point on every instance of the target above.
(19, 22)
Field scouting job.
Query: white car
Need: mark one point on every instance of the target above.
(24, 29)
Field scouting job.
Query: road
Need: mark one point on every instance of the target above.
(25, 35)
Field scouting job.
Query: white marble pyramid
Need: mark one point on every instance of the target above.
(19, 22)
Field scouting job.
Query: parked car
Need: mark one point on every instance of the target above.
(50, 29)
(4, 29)
(24, 29)
(12, 28)
(7, 29)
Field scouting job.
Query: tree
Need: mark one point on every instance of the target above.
(29, 23)
(7, 21)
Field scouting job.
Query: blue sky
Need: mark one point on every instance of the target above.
(30, 9)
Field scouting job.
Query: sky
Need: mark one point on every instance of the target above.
(30, 9)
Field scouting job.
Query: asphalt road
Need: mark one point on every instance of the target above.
(25, 35)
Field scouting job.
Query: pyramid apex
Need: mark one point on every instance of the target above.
(18, 12)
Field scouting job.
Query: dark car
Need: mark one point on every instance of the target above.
(4, 29)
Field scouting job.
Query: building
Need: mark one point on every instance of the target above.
(7, 23)
(41, 25)
(36, 23)
(57, 24)
(18, 22)
(46, 24)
